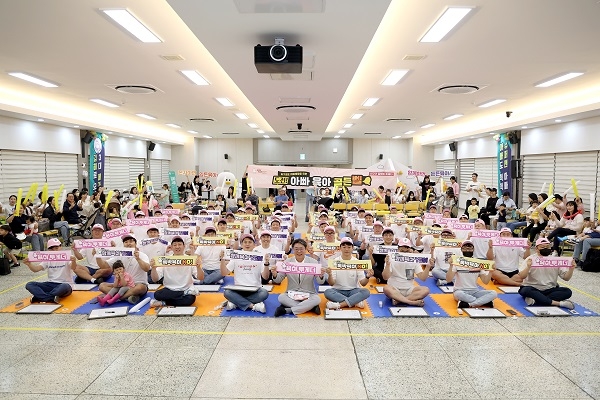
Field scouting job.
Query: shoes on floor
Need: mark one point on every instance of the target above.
(463, 304)
(279, 311)
(316, 310)
(441, 282)
(157, 303)
(230, 306)
(529, 301)
(133, 299)
(567, 304)
(260, 307)
(360, 304)
(332, 305)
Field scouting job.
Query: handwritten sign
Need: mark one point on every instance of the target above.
(510, 242)
(114, 252)
(288, 267)
(246, 256)
(113, 233)
(210, 241)
(348, 264)
(461, 226)
(91, 243)
(441, 242)
(382, 249)
(484, 233)
(170, 211)
(410, 258)
(203, 218)
(176, 232)
(39, 256)
(551, 262)
(471, 263)
(174, 261)
(327, 246)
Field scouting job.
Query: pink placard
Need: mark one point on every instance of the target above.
(159, 220)
(484, 233)
(299, 268)
(40, 256)
(433, 216)
(91, 243)
(170, 211)
(139, 222)
(510, 242)
(551, 262)
(115, 233)
(461, 226)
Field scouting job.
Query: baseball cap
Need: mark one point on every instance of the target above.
(249, 207)
(247, 236)
(388, 229)
(541, 241)
(323, 223)
(175, 218)
(329, 229)
(505, 230)
(324, 213)
(404, 242)
(377, 223)
(185, 215)
(230, 213)
(361, 209)
(418, 219)
(354, 208)
(321, 207)
(446, 230)
(368, 214)
(393, 208)
(466, 242)
(177, 239)
(464, 216)
(128, 236)
(222, 221)
(210, 228)
(203, 211)
(53, 243)
(265, 233)
(98, 226)
(480, 221)
(151, 227)
(112, 221)
(446, 209)
(140, 213)
(347, 240)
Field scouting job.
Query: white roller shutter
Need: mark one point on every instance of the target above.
(466, 169)
(117, 174)
(61, 169)
(579, 166)
(165, 168)
(445, 165)
(537, 169)
(136, 167)
(19, 169)
(156, 172)
(487, 171)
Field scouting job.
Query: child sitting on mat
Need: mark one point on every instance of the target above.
(466, 291)
(123, 281)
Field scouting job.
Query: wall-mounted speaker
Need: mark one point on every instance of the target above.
(226, 156)
(87, 139)
(515, 168)
(452, 146)
(381, 156)
(151, 146)
(514, 137)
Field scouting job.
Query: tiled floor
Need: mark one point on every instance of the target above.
(68, 357)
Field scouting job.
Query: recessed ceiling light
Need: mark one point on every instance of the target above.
(395, 137)
(75, 126)
(194, 132)
(491, 103)
(241, 115)
(260, 131)
(492, 133)
(173, 125)
(207, 137)
(40, 119)
(104, 103)
(145, 116)
(394, 77)
(409, 132)
(195, 77)
(224, 101)
(371, 101)
(348, 126)
(453, 116)
(558, 120)
(449, 19)
(32, 79)
(356, 116)
(524, 127)
(109, 133)
(132, 25)
(336, 136)
(130, 136)
(252, 125)
(342, 131)
(266, 136)
(427, 126)
(559, 79)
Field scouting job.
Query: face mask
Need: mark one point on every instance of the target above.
(467, 253)
(545, 252)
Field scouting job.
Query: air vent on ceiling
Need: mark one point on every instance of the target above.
(230, 133)
(173, 57)
(295, 108)
(298, 118)
(413, 57)
(296, 132)
(202, 119)
(398, 119)
(304, 76)
(372, 133)
(135, 89)
(458, 89)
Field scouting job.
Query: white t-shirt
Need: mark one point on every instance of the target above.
(466, 280)
(90, 259)
(58, 271)
(247, 272)
(543, 278)
(211, 257)
(443, 256)
(475, 185)
(481, 246)
(507, 258)
(347, 279)
(399, 230)
(154, 249)
(132, 267)
(426, 242)
(400, 277)
(177, 278)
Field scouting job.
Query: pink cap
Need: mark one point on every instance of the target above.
(418, 219)
(346, 239)
(150, 227)
(323, 223)
(388, 229)
(466, 242)
(480, 221)
(404, 242)
(329, 229)
(112, 221)
(140, 213)
(447, 230)
(542, 241)
(53, 242)
(247, 236)
(505, 230)
(210, 228)
(97, 226)
(175, 218)
(377, 223)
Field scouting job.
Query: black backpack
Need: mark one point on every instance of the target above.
(592, 261)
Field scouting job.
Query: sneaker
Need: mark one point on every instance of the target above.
(529, 301)
(157, 303)
(360, 304)
(220, 282)
(441, 282)
(555, 253)
(463, 304)
(230, 306)
(490, 304)
(332, 305)
(567, 304)
(35, 300)
(15, 265)
(99, 280)
(57, 299)
(133, 299)
(316, 310)
(260, 307)
(279, 311)
(191, 290)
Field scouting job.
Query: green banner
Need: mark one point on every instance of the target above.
(173, 184)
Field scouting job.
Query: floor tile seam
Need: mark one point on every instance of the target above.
(23, 284)
(360, 371)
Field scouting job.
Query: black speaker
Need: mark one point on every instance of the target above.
(151, 146)
(226, 156)
(452, 146)
(87, 139)
(514, 137)
(515, 168)
(381, 156)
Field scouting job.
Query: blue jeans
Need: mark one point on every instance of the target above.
(513, 225)
(211, 277)
(243, 299)
(438, 273)
(545, 297)
(475, 297)
(36, 240)
(46, 291)
(582, 247)
(63, 228)
(352, 296)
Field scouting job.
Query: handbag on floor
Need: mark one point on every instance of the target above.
(4, 266)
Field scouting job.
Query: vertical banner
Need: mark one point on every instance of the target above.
(504, 161)
(173, 186)
(96, 162)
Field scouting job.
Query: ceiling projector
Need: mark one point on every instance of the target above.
(278, 58)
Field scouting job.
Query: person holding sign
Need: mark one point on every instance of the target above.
(378, 257)
(540, 283)
(400, 277)
(178, 282)
(507, 260)
(210, 257)
(301, 295)
(91, 271)
(123, 281)
(441, 256)
(247, 271)
(346, 285)
(571, 223)
(60, 277)
(466, 291)
(267, 248)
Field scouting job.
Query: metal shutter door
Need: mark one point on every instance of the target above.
(19, 169)
(579, 166)
(117, 174)
(61, 169)
(136, 167)
(487, 170)
(537, 169)
(156, 172)
(165, 168)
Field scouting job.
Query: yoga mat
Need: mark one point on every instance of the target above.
(87, 307)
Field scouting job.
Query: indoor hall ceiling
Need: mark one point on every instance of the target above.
(504, 47)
